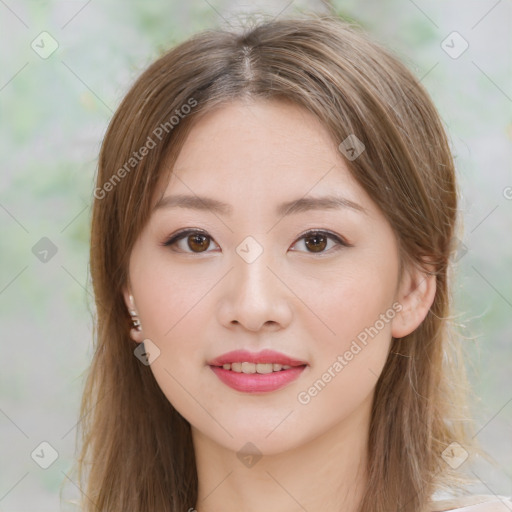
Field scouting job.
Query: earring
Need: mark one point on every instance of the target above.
(135, 318)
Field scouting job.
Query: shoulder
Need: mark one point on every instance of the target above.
(480, 503)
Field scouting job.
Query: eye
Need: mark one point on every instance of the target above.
(317, 240)
(197, 241)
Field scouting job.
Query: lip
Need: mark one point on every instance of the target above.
(264, 356)
(257, 382)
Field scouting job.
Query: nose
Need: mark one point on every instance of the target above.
(254, 295)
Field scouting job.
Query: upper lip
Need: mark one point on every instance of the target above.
(265, 356)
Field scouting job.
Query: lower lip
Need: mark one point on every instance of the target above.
(257, 382)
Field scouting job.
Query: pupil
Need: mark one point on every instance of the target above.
(193, 239)
(317, 237)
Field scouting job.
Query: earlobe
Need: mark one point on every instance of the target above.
(416, 295)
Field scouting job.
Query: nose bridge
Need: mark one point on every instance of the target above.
(255, 295)
(253, 278)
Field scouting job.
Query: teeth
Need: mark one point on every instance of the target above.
(255, 367)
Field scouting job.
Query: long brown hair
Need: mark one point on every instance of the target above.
(136, 449)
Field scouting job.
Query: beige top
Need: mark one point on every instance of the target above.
(477, 503)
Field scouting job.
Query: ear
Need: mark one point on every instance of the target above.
(415, 294)
(135, 334)
(128, 297)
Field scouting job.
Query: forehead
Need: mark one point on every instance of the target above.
(263, 131)
(258, 153)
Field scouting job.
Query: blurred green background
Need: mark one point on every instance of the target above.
(65, 67)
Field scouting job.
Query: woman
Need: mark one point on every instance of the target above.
(275, 213)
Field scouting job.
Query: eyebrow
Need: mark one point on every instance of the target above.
(301, 205)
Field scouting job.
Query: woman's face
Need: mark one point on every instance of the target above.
(251, 280)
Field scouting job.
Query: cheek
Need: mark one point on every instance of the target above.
(353, 297)
(168, 298)
(348, 360)
(361, 339)
(356, 309)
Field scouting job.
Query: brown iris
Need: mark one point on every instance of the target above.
(319, 242)
(201, 242)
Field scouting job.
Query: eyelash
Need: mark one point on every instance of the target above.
(340, 242)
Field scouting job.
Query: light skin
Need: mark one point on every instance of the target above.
(199, 299)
